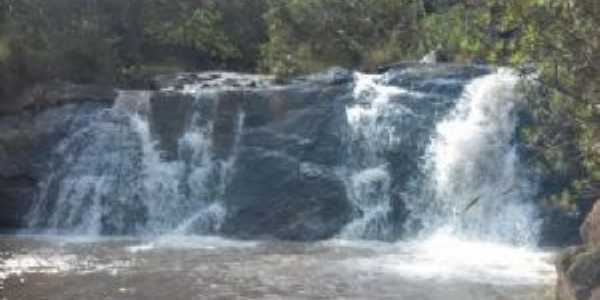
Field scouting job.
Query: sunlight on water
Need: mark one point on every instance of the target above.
(447, 258)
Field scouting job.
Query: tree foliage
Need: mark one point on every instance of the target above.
(305, 36)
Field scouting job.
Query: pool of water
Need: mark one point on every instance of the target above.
(188, 267)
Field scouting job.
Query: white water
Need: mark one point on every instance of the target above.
(369, 181)
(88, 169)
(108, 166)
(182, 196)
(475, 185)
(444, 257)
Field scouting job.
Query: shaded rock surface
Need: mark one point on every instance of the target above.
(560, 228)
(579, 267)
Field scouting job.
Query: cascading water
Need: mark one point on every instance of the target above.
(475, 185)
(469, 198)
(111, 175)
(466, 177)
(390, 120)
(371, 134)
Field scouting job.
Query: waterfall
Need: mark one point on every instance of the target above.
(423, 149)
(475, 185)
(92, 174)
(112, 176)
(458, 147)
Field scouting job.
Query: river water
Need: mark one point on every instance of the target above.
(186, 267)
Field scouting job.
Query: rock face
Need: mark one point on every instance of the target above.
(579, 267)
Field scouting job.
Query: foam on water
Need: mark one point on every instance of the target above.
(183, 242)
(58, 264)
(445, 257)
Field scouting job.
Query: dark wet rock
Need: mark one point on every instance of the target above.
(333, 76)
(560, 228)
(295, 206)
(14, 192)
(285, 185)
(170, 116)
(227, 120)
(398, 66)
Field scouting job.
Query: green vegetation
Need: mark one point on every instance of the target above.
(308, 35)
(123, 42)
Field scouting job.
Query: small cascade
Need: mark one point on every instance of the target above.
(89, 188)
(371, 135)
(475, 185)
(111, 174)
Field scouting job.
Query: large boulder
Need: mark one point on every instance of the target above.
(579, 267)
(285, 184)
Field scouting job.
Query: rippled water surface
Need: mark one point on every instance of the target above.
(183, 267)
